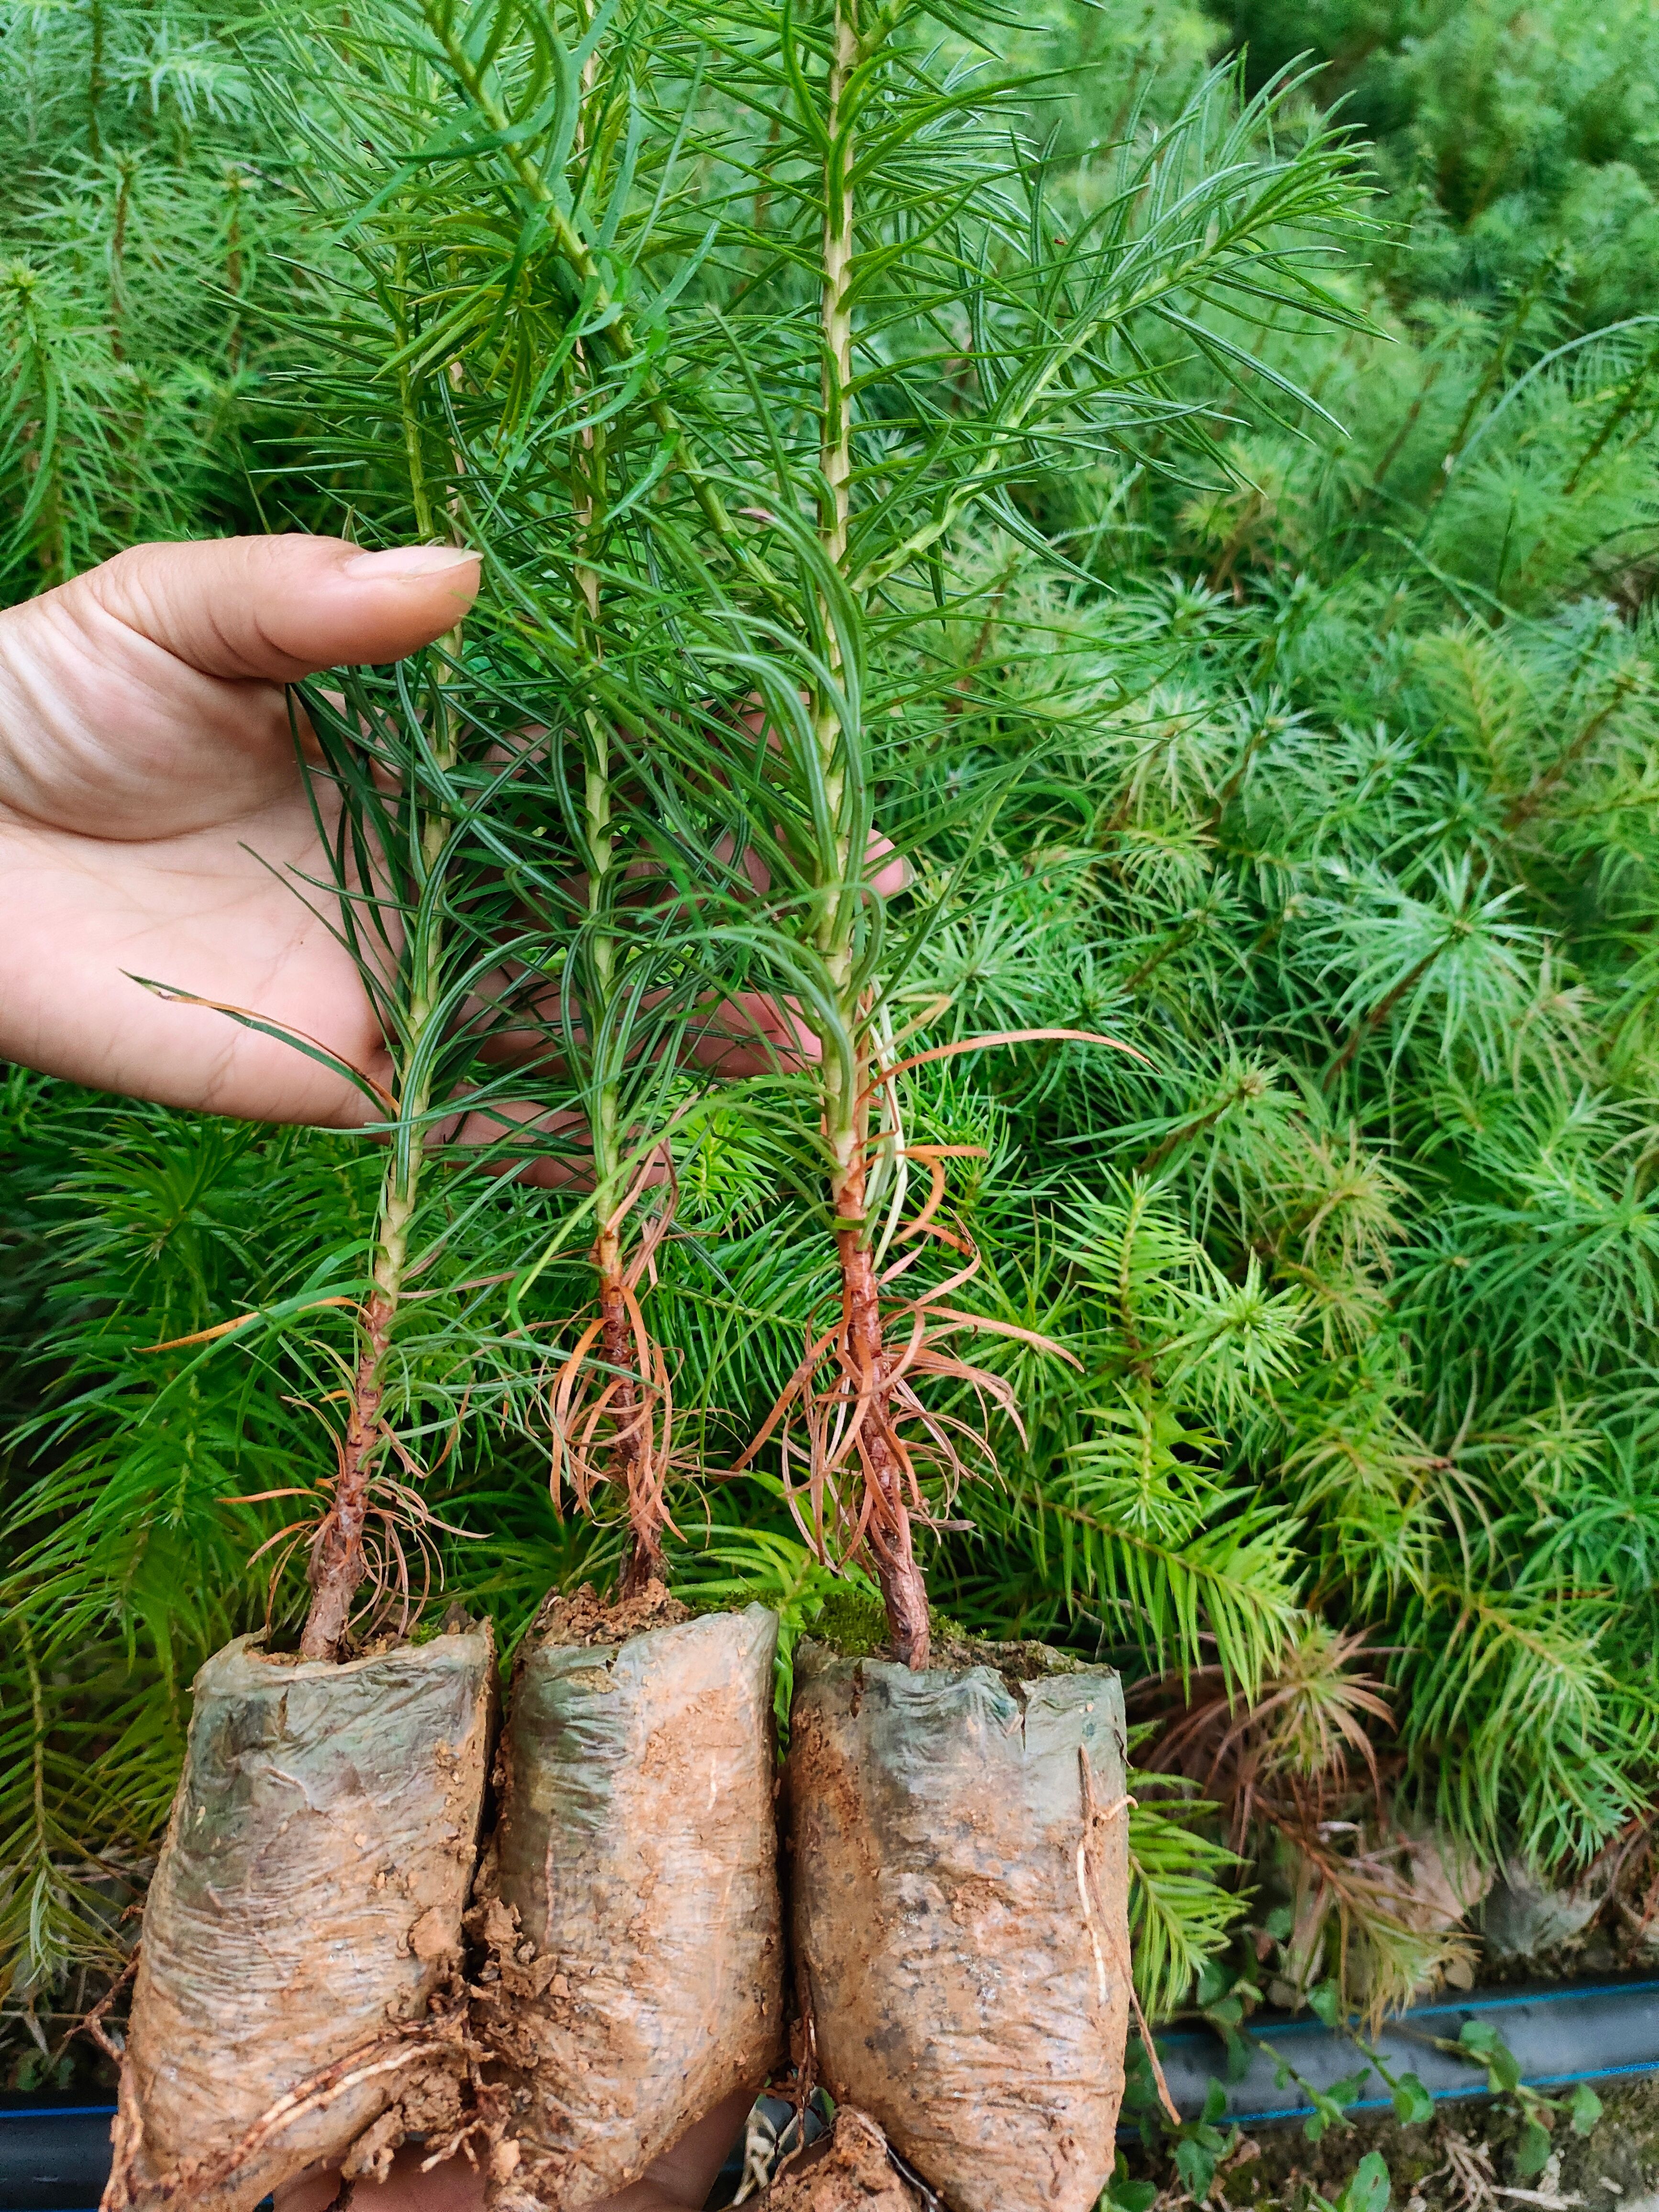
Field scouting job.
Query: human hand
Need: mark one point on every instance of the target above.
(679, 2181)
(154, 821)
(146, 759)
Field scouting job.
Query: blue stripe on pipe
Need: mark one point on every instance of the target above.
(1282, 2030)
(1439, 2096)
(1565, 1993)
(58, 2111)
(1615, 2026)
(1601, 2073)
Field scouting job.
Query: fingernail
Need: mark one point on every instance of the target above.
(399, 561)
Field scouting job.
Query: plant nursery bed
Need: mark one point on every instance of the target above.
(1463, 2161)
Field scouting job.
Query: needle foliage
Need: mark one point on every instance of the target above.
(1211, 541)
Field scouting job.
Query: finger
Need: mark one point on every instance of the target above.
(278, 608)
(455, 2186)
(750, 1034)
(747, 1034)
(895, 876)
(680, 2180)
(551, 1148)
(548, 1147)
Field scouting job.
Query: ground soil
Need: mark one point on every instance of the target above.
(850, 2173)
(583, 1618)
(856, 1627)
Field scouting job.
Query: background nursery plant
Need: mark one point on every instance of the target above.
(1320, 756)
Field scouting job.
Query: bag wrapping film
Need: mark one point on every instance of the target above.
(633, 1916)
(305, 1905)
(959, 1873)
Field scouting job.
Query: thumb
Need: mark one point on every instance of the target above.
(281, 608)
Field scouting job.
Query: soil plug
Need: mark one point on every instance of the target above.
(960, 1882)
(632, 1912)
(852, 2171)
(304, 1920)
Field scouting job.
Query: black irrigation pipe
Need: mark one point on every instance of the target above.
(55, 2157)
(1561, 2033)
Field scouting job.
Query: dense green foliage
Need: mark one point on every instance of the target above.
(1296, 726)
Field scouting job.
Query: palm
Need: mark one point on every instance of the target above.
(678, 2182)
(154, 821)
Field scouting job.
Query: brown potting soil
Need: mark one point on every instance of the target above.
(1023, 1661)
(854, 1626)
(303, 1917)
(849, 2171)
(585, 1618)
(960, 1886)
(630, 1902)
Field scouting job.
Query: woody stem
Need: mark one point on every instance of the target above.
(862, 1349)
(339, 1563)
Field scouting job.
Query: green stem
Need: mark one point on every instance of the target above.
(613, 331)
(42, 517)
(834, 930)
(630, 1454)
(1362, 1027)
(1622, 407)
(611, 334)
(37, 1736)
(95, 82)
(117, 250)
(862, 1350)
(1527, 804)
(1512, 331)
(339, 1563)
(1408, 419)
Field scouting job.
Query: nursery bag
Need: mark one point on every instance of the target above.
(306, 1904)
(959, 1866)
(635, 1975)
